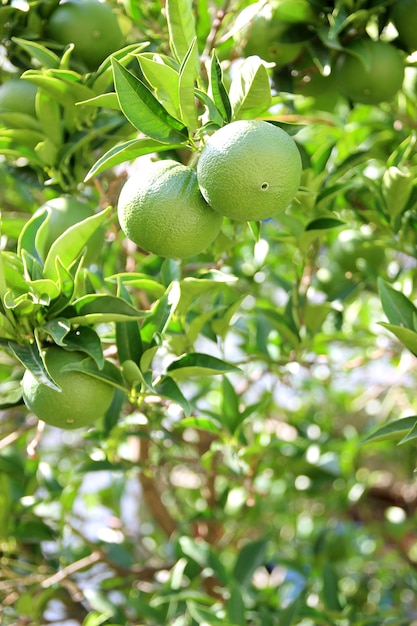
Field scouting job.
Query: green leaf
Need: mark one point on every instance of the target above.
(128, 338)
(128, 341)
(331, 588)
(186, 87)
(397, 307)
(27, 238)
(250, 90)
(49, 115)
(104, 100)
(230, 413)
(198, 364)
(143, 110)
(397, 186)
(164, 79)
(30, 356)
(57, 329)
(410, 436)
(215, 117)
(128, 151)
(393, 430)
(70, 244)
(251, 556)
(161, 314)
(200, 423)
(109, 373)
(217, 90)
(235, 607)
(181, 26)
(46, 58)
(168, 388)
(288, 615)
(405, 335)
(138, 280)
(323, 223)
(102, 308)
(85, 339)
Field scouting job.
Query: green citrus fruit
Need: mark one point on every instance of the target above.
(258, 31)
(404, 18)
(90, 25)
(64, 212)
(249, 170)
(83, 398)
(370, 71)
(357, 252)
(18, 96)
(162, 210)
(320, 91)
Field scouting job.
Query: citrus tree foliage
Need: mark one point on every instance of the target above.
(256, 464)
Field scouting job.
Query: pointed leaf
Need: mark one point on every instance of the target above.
(164, 79)
(331, 588)
(217, 90)
(128, 151)
(143, 110)
(200, 423)
(405, 335)
(399, 310)
(161, 314)
(251, 556)
(57, 329)
(181, 26)
(30, 356)
(70, 244)
(393, 430)
(412, 434)
(109, 373)
(250, 90)
(197, 364)
(168, 388)
(27, 238)
(102, 308)
(46, 58)
(186, 86)
(85, 339)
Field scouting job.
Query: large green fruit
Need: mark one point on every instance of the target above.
(369, 71)
(259, 31)
(90, 25)
(82, 400)
(355, 252)
(18, 95)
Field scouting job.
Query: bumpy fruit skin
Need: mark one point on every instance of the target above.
(162, 210)
(90, 25)
(83, 399)
(404, 17)
(249, 170)
(18, 96)
(370, 72)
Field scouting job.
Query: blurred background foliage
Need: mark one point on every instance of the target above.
(267, 495)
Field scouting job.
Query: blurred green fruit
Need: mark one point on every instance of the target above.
(18, 95)
(369, 72)
(258, 31)
(321, 91)
(355, 252)
(90, 25)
